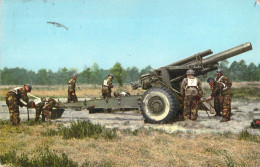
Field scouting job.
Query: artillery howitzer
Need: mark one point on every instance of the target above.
(161, 103)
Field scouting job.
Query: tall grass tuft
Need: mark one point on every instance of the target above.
(245, 135)
(45, 158)
(82, 129)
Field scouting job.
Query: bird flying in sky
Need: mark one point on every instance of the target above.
(57, 24)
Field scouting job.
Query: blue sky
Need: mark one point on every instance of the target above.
(132, 32)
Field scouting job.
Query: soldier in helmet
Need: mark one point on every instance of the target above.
(221, 92)
(72, 89)
(15, 98)
(191, 93)
(107, 85)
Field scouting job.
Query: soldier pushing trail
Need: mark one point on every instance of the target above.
(222, 94)
(15, 98)
(38, 107)
(107, 86)
(72, 89)
(191, 93)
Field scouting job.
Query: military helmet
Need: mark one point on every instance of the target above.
(190, 72)
(210, 80)
(219, 71)
(111, 75)
(75, 74)
(29, 86)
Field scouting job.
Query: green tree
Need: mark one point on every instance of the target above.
(146, 70)
(85, 75)
(94, 73)
(132, 74)
(234, 71)
(119, 73)
(252, 72)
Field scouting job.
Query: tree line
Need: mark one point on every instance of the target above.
(89, 75)
(237, 71)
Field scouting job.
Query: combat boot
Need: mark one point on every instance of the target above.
(224, 120)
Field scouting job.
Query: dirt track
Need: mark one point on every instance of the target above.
(243, 113)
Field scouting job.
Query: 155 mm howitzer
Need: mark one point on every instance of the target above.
(162, 101)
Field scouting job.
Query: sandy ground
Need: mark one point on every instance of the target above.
(243, 113)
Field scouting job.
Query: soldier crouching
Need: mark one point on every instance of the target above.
(191, 93)
(47, 109)
(15, 98)
(38, 107)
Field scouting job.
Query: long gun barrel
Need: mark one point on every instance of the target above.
(197, 56)
(226, 54)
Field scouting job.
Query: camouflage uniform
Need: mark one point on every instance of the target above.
(14, 99)
(222, 96)
(106, 88)
(191, 100)
(47, 108)
(38, 107)
(71, 90)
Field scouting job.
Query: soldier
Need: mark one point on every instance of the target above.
(72, 89)
(191, 93)
(38, 107)
(47, 108)
(107, 86)
(221, 92)
(15, 98)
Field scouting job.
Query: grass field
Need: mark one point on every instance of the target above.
(25, 145)
(85, 144)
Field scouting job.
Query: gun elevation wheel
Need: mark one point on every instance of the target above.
(159, 106)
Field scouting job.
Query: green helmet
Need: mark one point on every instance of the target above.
(111, 75)
(190, 72)
(75, 74)
(210, 80)
(29, 86)
(219, 71)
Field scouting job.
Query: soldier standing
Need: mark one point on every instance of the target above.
(72, 89)
(222, 94)
(15, 98)
(191, 93)
(107, 85)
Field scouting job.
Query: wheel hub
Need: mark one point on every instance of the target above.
(156, 105)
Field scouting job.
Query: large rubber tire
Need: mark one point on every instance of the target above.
(159, 106)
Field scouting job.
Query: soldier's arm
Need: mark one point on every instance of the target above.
(217, 88)
(200, 89)
(110, 84)
(227, 82)
(24, 99)
(72, 86)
